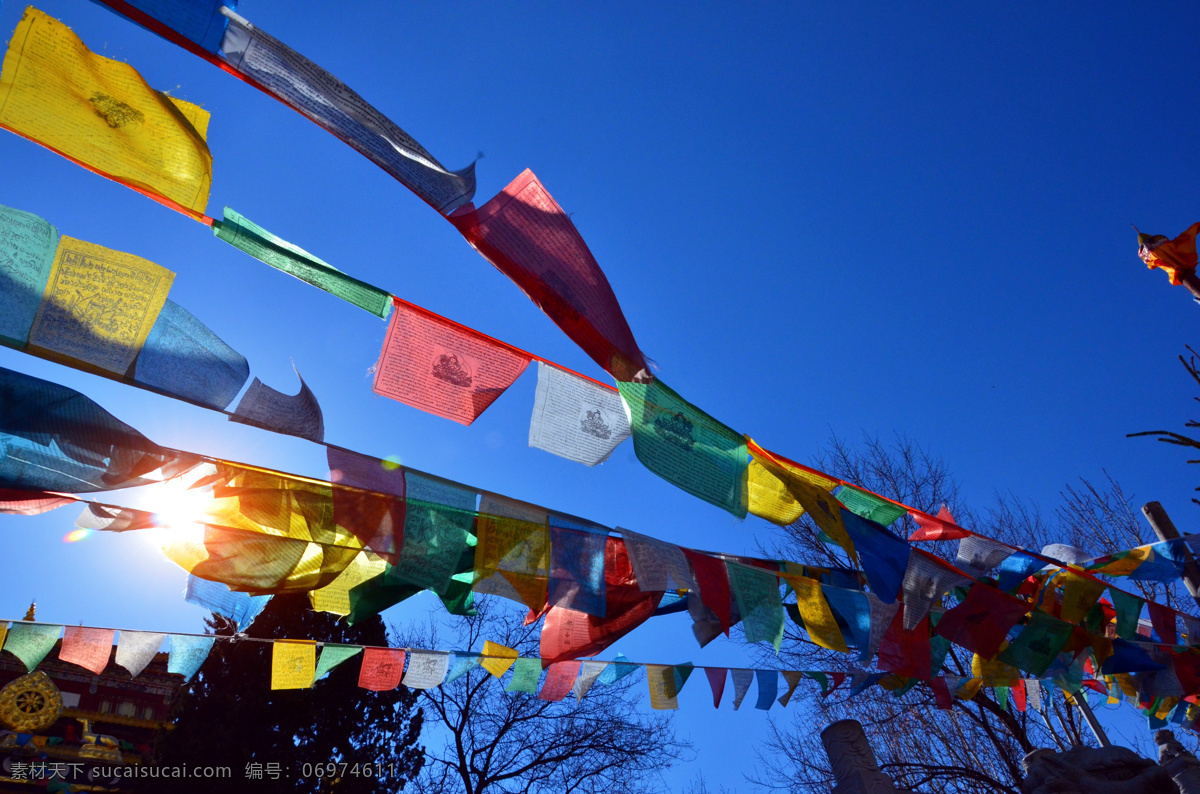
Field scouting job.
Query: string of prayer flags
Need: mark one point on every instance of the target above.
(768, 689)
(568, 634)
(1176, 256)
(576, 418)
(869, 506)
(526, 673)
(981, 622)
(1039, 642)
(884, 557)
(588, 673)
(244, 234)
(560, 677)
(27, 246)
(56, 439)
(757, 594)
(86, 647)
(293, 664)
(31, 503)
(426, 669)
(814, 610)
(527, 236)
(136, 649)
(716, 682)
(443, 368)
(512, 554)
(291, 414)
(101, 114)
(381, 669)
(198, 21)
(313, 92)
(182, 358)
(687, 447)
(497, 658)
(741, 685)
(926, 580)
(30, 642)
(939, 527)
(188, 654)
(241, 608)
(978, 555)
(333, 655)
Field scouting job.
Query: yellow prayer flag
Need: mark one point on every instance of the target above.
(993, 672)
(1114, 689)
(815, 612)
(102, 114)
(780, 493)
(968, 689)
(3, 633)
(98, 306)
(497, 658)
(1079, 595)
(1127, 684)
(1127, 564)
(1168, 703)
(512, 555)
(293, 664)
(335, 596)
(661, 679)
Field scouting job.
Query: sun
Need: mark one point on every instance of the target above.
(179, 512)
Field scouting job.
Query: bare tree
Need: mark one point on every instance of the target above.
(975, 747)
(1178, 439)
(497, 741)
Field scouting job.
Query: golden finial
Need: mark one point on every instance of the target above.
(32, 607)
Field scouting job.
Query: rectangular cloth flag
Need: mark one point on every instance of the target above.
(497, 658)
(869, 506)
(527, 236)
(88, 648)
(30, 503)
(712, 579)
(98, 307)
(576, 418)
(559, 680)
(333, 655)
(136, 649)
(381, 669)
(241, 608)
(27, 246)
(814, 611)
(198, 21)
(241, 232)
(781, 492)
(926, 580)
(741, 685)
(687, 447)
(444, 368)
(296, 415)
(884, 557)
(368, 499)
(577, 566)
(313, 92)
(757, 594)
(438, 517)
(983, 619)
(188, 654)
(30, 642)
(659, 565)
(101, 114)
(426, 669)
(335, 596)
(526, 673)
(661, 680)
(181, 357)
(1038, 643)
(768, 689)
(512, 551)
(293, 664)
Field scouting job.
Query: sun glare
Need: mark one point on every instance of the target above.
(179, 511)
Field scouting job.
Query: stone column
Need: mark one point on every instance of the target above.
(854, 768)
(1182, 765)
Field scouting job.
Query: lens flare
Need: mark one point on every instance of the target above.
(392, 462)
(179, 513)
(76, 535)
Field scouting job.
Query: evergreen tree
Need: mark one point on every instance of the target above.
(229, 716)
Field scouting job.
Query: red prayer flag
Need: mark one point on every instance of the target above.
(1187, 670)
(559, 680)
(368, 500)
(1163, 620)
(527, 236)
(837, 679)
(568, 634)
(906, 653)
(982, 621)
(716, 680)
(31, 503)
(939, 527)
(941, 693)
(444, 368)
(88, 648)
(712, 578)
(1018, 693)
(381, 668)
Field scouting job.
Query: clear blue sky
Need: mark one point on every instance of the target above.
(818, 219)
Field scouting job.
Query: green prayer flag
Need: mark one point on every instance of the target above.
(332, 656)
(682, 673)
(1001, 693)
(1129, 609)
(525, 676)
(761, 608)
(30, 642)
(869, 506)
(687, 447)
(1038, 643)
(243, 233)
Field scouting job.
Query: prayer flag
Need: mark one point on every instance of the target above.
(88, 648)
(716, 682)
(741, 685)
(335, 596)
(98, 307)
(588, 673)
(1039, 642)
(941, 693)
(426, 669)
(27, 246)
(331, 656)
(381, 668)
(659, 565)
(907, 652)
(712, 580)
(313, 92)
(1176, 256)
(982, 621)
(926, 580)
(497, 658)
(577, 566)
(884, 557)
(1163, 620)
(181, 357)
(198, 21)
(368, 499)
(464, 662)
(617, 669)
(576, 418)
(978, 555)
(101, 114)
(293, 664)
(512, 553)
(855, 610)
(438, 519)
(240, 608)
(443, 368)
(1079, 594)
(115, 519)
(242, 233)
(687, 447)
(31, 503)
(1191, 629)
(939, 527)
(528, 237)
(814, 611)
(782, 491)
(768, 689)
(661, 680)
(526, 673)
(293, 415)
(136, 649)
(1015, 569)
(757, 594)
(792, 678)
(559, 680)
(188, 654)
(869, 506)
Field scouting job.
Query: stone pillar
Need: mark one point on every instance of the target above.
(1182, 765)
(853, 761)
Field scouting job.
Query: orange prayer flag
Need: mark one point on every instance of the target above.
(381, 668)
(1176, 256)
